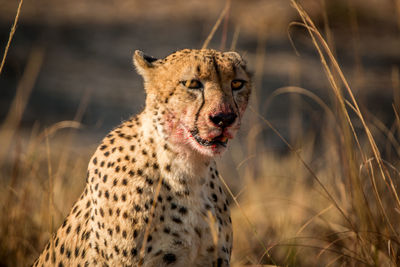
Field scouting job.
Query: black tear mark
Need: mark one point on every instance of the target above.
(196, 129)
(217, 71)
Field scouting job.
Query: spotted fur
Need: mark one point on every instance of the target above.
(153, 195)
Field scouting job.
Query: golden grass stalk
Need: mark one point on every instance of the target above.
(148, 226)
(216, 25)
(51, 193)
(25, 86)
(10, 37)
(314, 33)
(249, 223)
(235, 38)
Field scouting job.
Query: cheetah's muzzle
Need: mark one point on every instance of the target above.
(219, 140)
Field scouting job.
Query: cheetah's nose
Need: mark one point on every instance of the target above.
(223, 120)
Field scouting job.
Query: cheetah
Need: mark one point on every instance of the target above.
(153, 195)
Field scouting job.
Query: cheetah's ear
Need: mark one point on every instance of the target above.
(143, 62)
(234, 55)
(237, 58)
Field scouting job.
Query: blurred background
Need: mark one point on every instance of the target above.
(327, 198)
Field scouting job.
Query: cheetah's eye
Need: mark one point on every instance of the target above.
(192, 84)
(237, 84)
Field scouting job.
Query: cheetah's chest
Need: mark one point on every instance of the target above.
(194, 230)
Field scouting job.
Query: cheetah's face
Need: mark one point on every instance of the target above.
(203, 93)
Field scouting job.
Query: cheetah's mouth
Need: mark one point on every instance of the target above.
(219, 140)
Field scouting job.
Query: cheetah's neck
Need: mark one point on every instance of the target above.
(175, 163)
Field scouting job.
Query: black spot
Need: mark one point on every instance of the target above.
(149, 181)
(166, 185)
(158, 253)
(210, 249)
(134, 252)
(182, 210)
(139, 190)
(169, 258)
(176, 219)
(211, 185)
(95, 161)
(198, 231)
(215, 198)
(168, 168)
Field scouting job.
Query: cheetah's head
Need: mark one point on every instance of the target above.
(197, 97)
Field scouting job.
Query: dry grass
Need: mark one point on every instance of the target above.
(332, 200)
